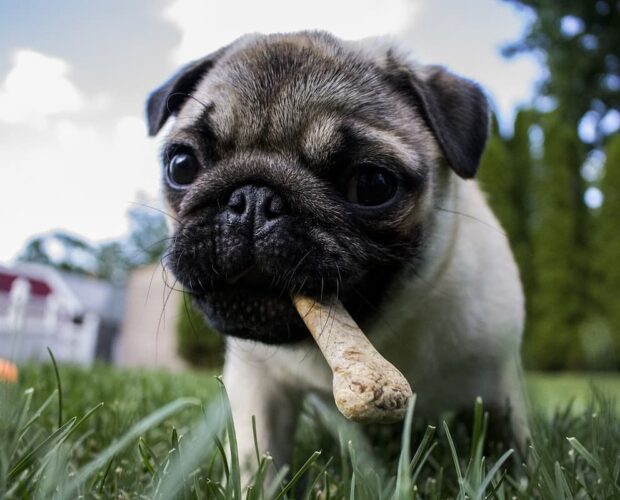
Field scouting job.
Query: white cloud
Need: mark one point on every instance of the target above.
(79, 177)
(206, 26)
(467, 37)
(37, 87)
(63, 165)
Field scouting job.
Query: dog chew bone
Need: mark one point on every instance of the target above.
(367, 388)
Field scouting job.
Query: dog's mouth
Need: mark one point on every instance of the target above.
(251, 277)
(256, 305)
(246, 290)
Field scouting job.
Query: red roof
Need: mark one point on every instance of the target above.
(37, 287)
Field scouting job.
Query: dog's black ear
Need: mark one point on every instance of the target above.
(167, 99)
(455, 109)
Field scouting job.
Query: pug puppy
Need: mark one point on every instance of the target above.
(301, 163)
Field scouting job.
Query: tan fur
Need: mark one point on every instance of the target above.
(454, 314)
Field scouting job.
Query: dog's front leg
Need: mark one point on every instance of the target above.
(512, 386)
(253, 391)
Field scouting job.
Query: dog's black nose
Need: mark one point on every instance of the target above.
(254, 206)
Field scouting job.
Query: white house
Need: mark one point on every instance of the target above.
(76, 317)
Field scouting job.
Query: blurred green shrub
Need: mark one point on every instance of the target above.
(198, 343)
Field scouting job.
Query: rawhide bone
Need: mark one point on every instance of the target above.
(367, 388)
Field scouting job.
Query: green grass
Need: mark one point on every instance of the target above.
(550, 391)
(161, 435)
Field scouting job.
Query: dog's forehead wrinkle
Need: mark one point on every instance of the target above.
(270, 87)
(392, 142)
(321, 138)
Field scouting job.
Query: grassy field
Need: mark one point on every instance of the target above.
(111, 433)
(548, 392)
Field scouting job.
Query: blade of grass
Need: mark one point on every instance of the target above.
(259, 478)
(140, 428)
(317, 478)
(327, 487)
(180, 465)
(81, 421)
(428, 435)
(562, 485)
(150, 454)
(235, 467)
(36, 415)
(455, 457)
(215, 490)
(491, 474)
(146, 457)
(277, 482)
(421, 463)
(255, 439)
(477, 426)
(23, 415)
(587, 456)
(58, 385)
(196, 487)
(403, 476)
(29, 458)
(498, 487)
(204, 430)
(302, 470)
(105, 476)
(222, 452)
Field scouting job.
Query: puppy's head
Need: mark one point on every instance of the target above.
(303, 164)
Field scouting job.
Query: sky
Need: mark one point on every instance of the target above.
(74, 75)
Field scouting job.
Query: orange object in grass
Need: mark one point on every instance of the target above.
(8, 371)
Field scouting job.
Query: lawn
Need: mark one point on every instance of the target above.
(548, 392)
(161, 435)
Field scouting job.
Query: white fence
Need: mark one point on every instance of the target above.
(30, 324)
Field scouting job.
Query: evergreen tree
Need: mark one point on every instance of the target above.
(580, 43)
(111, 260)
(62, 250)
(522, 166)
(608, 246)
(497, 181)
(557, 302)
(505, 175)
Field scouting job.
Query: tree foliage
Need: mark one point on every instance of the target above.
(148, 235)
(498, 181)
(64, 251)
(579, 41)
(110, 260)
(505, 176)
(607, 258)
(557, 307)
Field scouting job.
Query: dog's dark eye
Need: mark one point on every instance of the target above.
(371, 186)
(182, 169)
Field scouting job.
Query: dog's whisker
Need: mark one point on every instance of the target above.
(472, 217)
(378, 313)
(166, 298)
(155, 209)
(148, 290)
